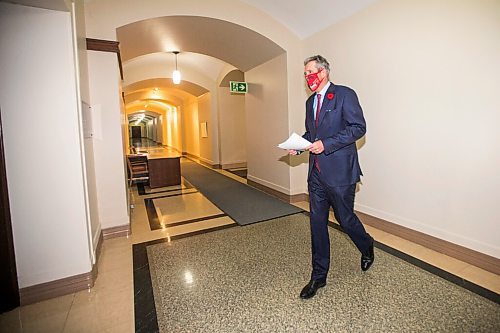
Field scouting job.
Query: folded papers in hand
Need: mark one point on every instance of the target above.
(295, 142)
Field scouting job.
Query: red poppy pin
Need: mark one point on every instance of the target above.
(330, 96)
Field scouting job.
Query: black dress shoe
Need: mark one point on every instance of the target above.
(367, 259)
(310, 289)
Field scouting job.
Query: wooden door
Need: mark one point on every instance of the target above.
(9, 289)
(136, 132)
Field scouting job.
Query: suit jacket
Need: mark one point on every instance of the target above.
(341, 123)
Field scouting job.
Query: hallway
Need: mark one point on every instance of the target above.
(106, 64)
(109, 305)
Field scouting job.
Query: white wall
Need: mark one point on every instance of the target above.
(427, 74)
(266, 110)
(83, 88)
(40, 118)
(108, 153)
(92, 192)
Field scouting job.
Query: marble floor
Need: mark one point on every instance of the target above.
(109, 305)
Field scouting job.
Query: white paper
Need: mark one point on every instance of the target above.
(295, 142)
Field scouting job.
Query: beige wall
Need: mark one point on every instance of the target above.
(173, 129)
(205, 114)
(191, 127)
(232, 127)
(266, 108)
(427, 74)
(161, 130)
(148, 130)
(194, 112)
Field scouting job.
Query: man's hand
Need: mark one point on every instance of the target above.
(292, 152)
(316, 147)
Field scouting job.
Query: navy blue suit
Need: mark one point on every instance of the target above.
(340, 124)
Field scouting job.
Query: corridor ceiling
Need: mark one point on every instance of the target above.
(225, 42)
(207, 44)
(208, 47)
(234, 44)
(302, 17)
(306, 17)
(46, 4)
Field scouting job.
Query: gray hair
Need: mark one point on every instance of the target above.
(320, 62)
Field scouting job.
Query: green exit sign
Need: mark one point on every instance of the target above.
(238, 87)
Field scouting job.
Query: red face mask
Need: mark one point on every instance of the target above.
(313, 80)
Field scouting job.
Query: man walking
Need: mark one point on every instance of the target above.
(334, 121)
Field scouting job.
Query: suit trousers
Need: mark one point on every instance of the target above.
(341, 199)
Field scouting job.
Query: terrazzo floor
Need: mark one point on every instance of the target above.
(248, 280)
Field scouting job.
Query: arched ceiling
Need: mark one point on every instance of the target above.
(140, 118)
(162, 64)
(210, 47)
(190, 88)
(143, 111)
(155, 107)
(239, 46)
(143, 97)
(170, 96)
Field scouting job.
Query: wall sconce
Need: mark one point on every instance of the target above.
(176, 75)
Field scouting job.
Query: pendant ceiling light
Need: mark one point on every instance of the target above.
(176, 75)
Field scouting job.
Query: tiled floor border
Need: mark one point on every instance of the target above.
(145, 311)
(154, 221)
(141, 189)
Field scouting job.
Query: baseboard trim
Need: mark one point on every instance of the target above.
(453, 250)
(61, 287)
(268, 190)
(280, 195)
(202, 161)
(99, 248)
(234, 165)
(208, 163)
(190, 156)
(114, 232)
(299, 197)
(68, 285)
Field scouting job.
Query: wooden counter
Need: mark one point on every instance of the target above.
(164, 169)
